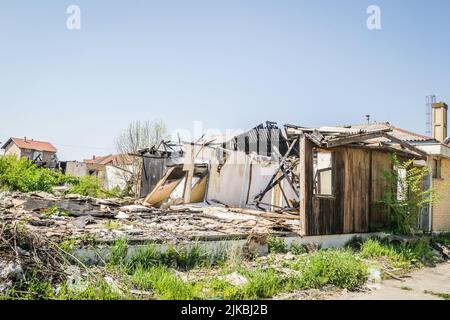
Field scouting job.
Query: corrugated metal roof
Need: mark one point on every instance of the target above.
(398, 133)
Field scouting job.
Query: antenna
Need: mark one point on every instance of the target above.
(430, 99)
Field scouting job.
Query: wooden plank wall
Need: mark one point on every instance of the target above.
(357, 183)
(356, 189)
(379, 212)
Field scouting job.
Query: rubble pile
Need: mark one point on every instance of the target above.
(87, 219)
(23, 251)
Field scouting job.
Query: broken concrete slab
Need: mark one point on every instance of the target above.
(81, 222)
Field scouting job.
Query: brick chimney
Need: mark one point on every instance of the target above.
(440, 121)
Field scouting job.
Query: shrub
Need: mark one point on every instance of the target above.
(298, 249)
(24, 176)
(355, 243)
(394, 255)
(88, 186)
(399, 255)
(405, 196)
(336, 267)
(276, 245)
(443, 238)
(262, 284)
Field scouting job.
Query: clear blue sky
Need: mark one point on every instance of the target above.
(230, 64)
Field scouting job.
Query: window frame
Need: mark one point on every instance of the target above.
(317, 174)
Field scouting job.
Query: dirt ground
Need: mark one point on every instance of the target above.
(418, 286)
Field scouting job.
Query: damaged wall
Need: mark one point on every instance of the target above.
(357, 185)
(235, 178)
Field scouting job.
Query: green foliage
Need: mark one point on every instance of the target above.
(443, 238)
(375, 249)
(92, 290)
(298, 249)
(118, 252)
(405, 196)
(354, 243)
(262, 284)
(31, 287)
(55, 211)
(276, 245)
(68, 245)
(91, 186)
(147, 257)
(165, 283)
(24, 176)
(398, 255)
(336, 267)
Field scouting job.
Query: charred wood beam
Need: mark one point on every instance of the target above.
(283, 159)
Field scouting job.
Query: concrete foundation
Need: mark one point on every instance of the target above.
(100, 255)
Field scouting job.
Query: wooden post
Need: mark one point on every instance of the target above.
(189, 167)
(302, 175)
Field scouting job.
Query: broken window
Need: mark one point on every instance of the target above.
(38, 156)
(436, 168)
(323, 173)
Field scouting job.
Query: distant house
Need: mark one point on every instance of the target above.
(114, 171)
(40, 152)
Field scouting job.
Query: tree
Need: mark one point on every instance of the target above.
(138, 135)
(405, 195)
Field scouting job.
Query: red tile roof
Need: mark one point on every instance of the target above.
(115, 160)
(31, 145)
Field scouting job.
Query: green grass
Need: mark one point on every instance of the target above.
(276, 245)
(93, 290)
(149, 256)
(55, 211)
(91, 186)
(33, 288)
(118, 252)
(399, 255)
(340, 268)
(68, 245)
(161, 274)
(298, 249)
(261, 284)
(443, 238)
(165, 283)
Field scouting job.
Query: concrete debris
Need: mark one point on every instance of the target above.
(122, 215)
(10, 272)
(235, 279)
(105, 221)
(81, 222)
(135, 209)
